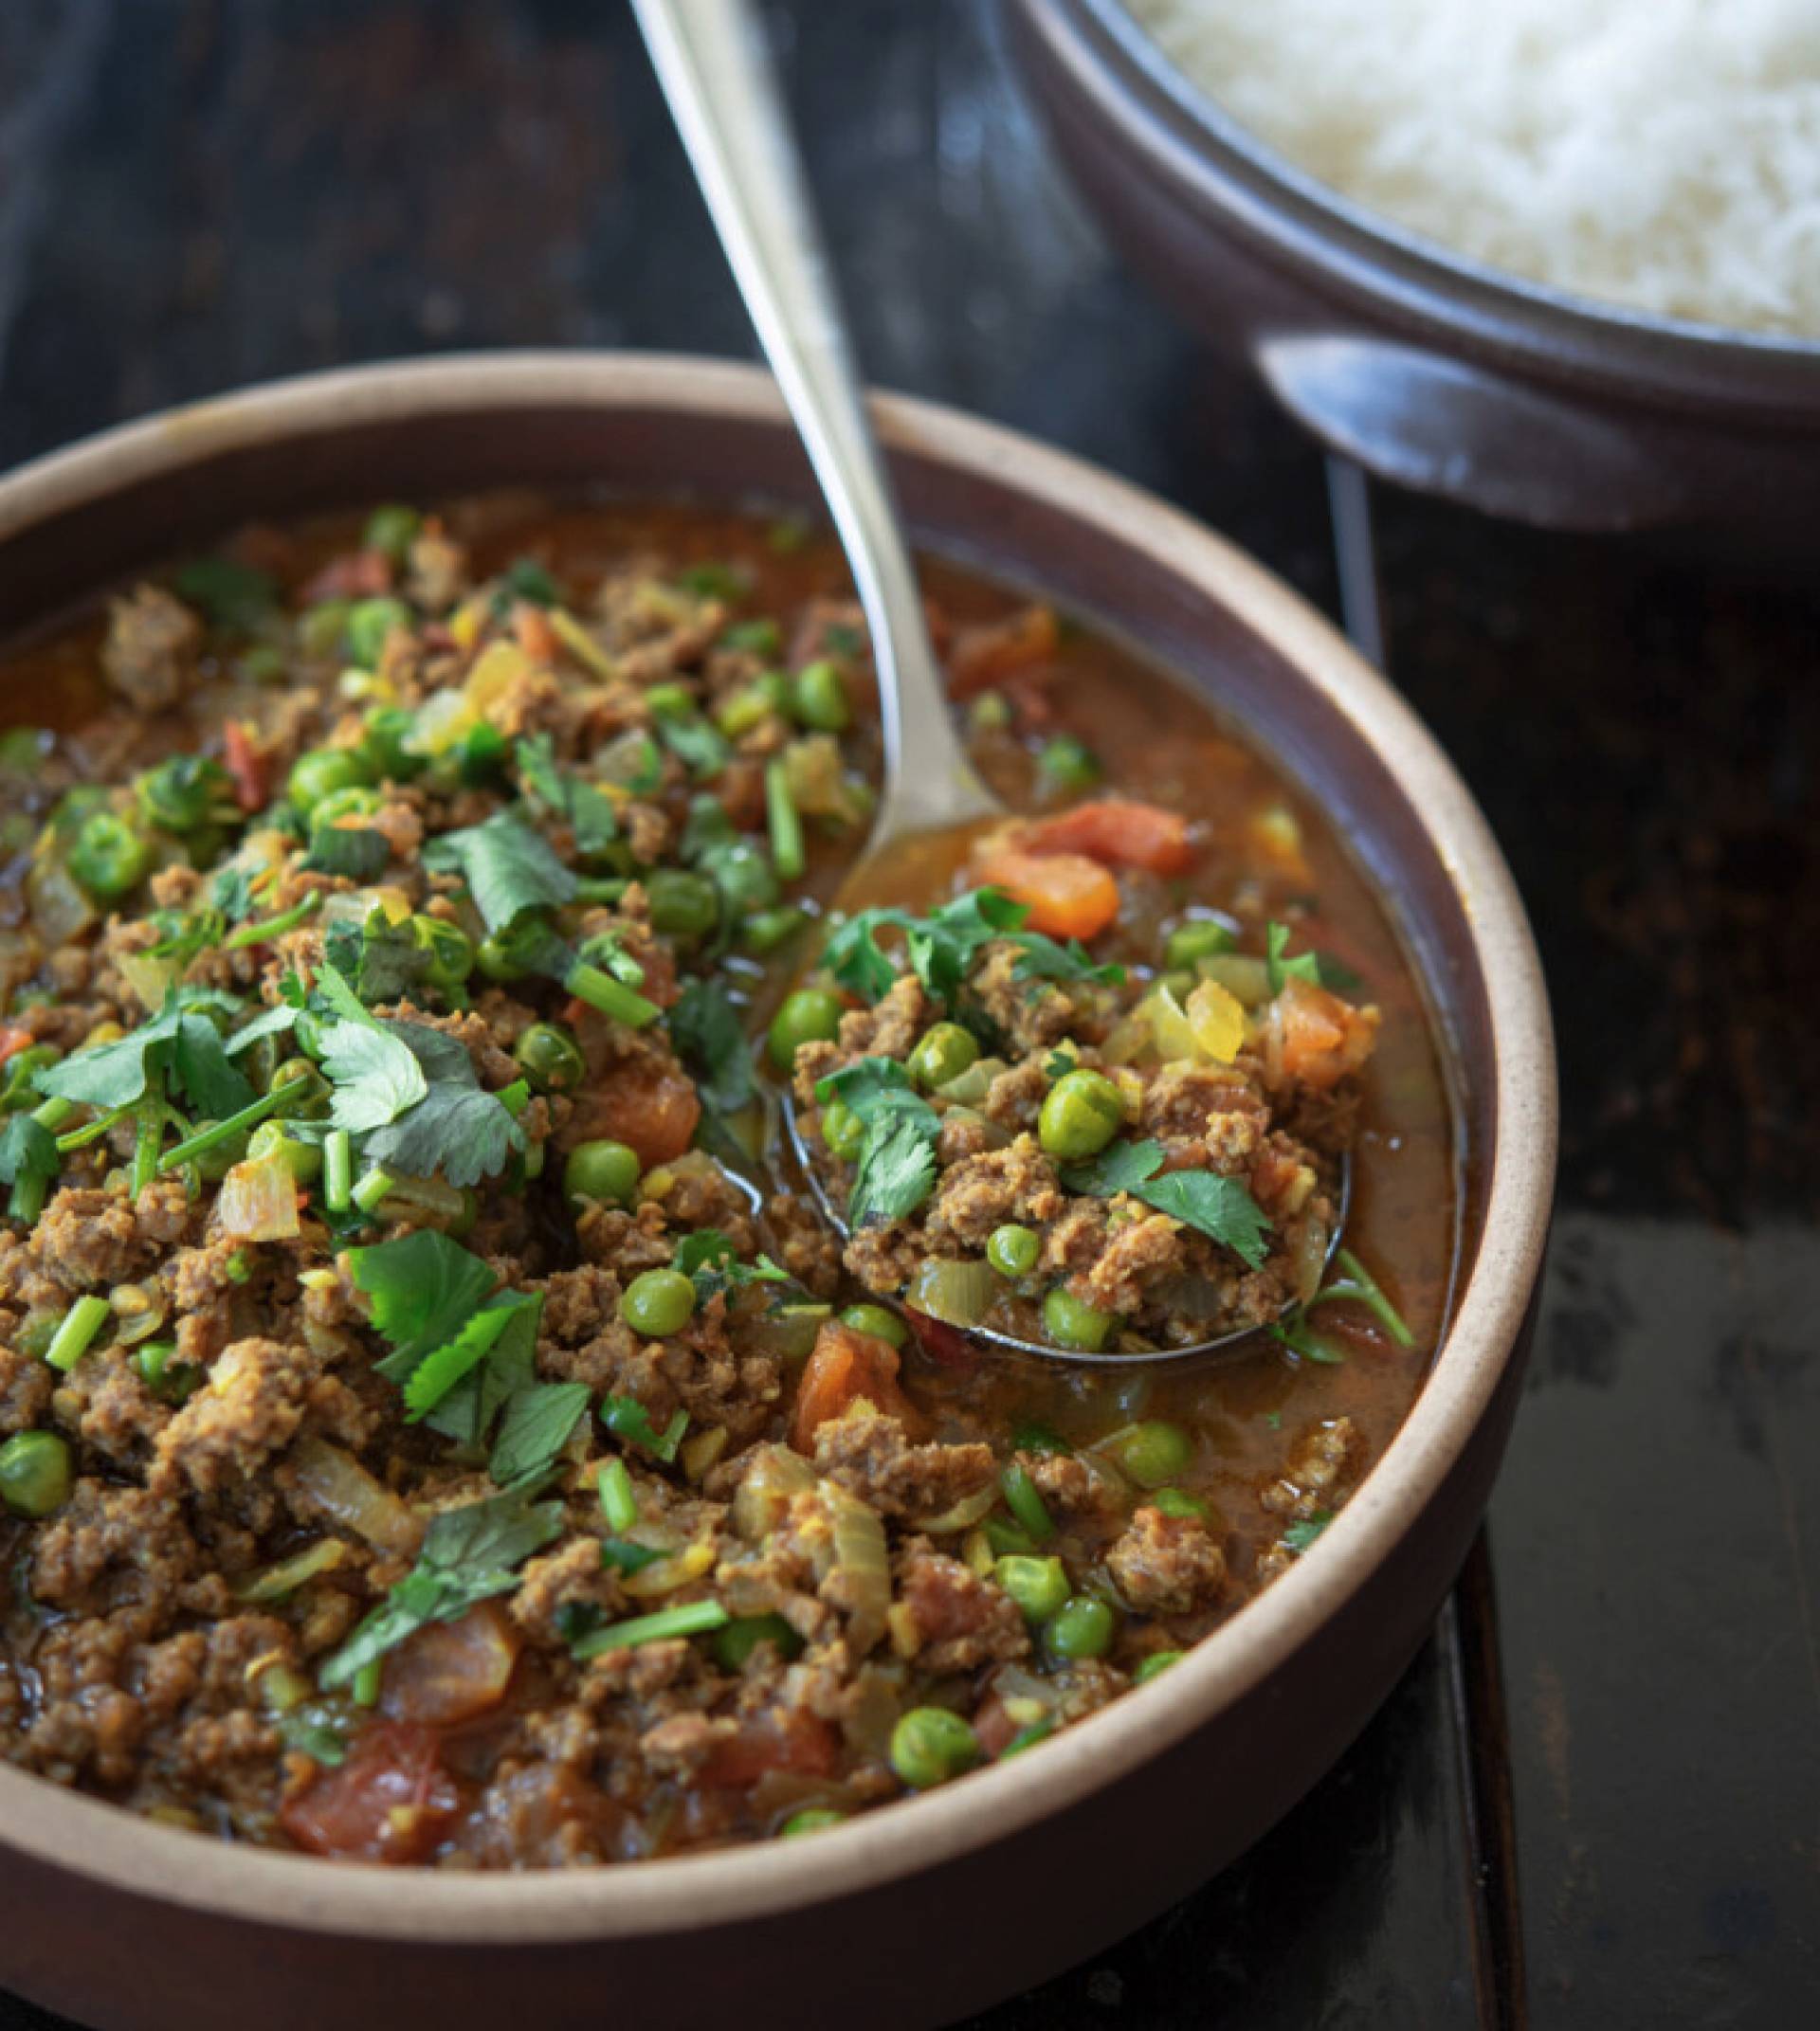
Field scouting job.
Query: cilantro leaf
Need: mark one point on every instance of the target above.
(215, 1087)
(383, 961)
(424, 1288)
(269, 1022)
(529, 581)
(697, 744)
(588, 811)
(358, 852)
(1042, 958)
(469, 1556)
(539, 1420)
(1299, 1536)
(28, 1151)
(895, 1171)
(710, 1042)
(943, 947)
(178, 1039)
(467, 1413)
(231, 594)
(1212, 1204)
(439, 1371)
(627, 1418)
(182, 938)
(375, 1077)
(1304, 966)
(509, 868)
(709, 1259)
(457, 1127)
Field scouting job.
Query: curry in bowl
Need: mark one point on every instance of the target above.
(440, 1421)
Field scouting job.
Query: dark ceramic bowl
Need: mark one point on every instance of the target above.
(1424, 367)
(1024, 1867)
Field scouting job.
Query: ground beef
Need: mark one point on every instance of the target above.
(873, 1456)
(1316, 1473)
(151, 647)
(257, 1393)
(1166, 1565)
(960, 1621)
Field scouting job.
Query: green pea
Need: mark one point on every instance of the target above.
(392, 529)
(1069, 1323)
(942, 1052)
(168, 1379)
(1082, 1628)
(551, 1058)
(322, 628)
(450, 949)
(670, 701)
(818, 697)
(766, 929)
(184, 793)
(319, 772)
(1199, 939)
(1179, 1502)
(760, 637)
(811, 1820)
(990, 712)
(842, 1131)
(681, 905)
(388, 727)
(370, 621)
(1152, 1453)
(1070, 765)
(1081, 1113)
(812, 1015)
(1039, 1585)
(744, 877)
(303, 1160)
(307, 1098)
(764, 699)
(110, 856)
(735, 1642)
(35, 1474)
(498, 958)
(930, 1745)
(356, 801)
(1156, 1664)
(1012, 1250)
(605, 1170)
(658, 1303)
(875, 1319)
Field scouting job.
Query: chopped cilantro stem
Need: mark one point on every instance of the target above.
(148, 1142)
(338, 1171)
(78, 1328)
(693, 1618)
(1359, 1284)
(610, 997)
(372, 1191)
(1025, 1504)
(272, 927)
(420, 1195)
(219, 1131)
(365, 1689)
(618, 1503)
(786, 826)
(602, 889)
(53, 1113)
(29, 1195)
(91, 1131)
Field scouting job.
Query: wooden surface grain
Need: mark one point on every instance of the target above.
(195, 193)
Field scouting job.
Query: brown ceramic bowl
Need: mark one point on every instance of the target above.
(1026, 1867)
(1426, 367)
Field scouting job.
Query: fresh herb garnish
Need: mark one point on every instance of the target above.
(1299, 1536)
(509, 868)
(178, 1040)
(1212, 1204)
(528, 580)
(589, 812)
(942, 947)
(629, 1420)
(711, 1040)
(538, 1423)
(382, 961)
(469, 1556)
(356, 852)
(457, 1127)
(29, 1160)
(232, 594)
(712, 1264)
(697, 744)
(895, 1170)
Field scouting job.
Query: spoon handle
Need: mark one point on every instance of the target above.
(717, 74)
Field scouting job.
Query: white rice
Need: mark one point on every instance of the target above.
(1660, 154)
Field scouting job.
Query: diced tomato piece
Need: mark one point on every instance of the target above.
(983, 657)
(245, 762)
(1067, 895)
(12, 1039)
(392, 1800)
(536, 636)
(945, 1345)
(1318, 1039)
(742, 791)
(843, 1366)
(650, 1107)
(357, 574)
(1117, 831)
(801, 1743)
(993, 1726)
(451, 1671)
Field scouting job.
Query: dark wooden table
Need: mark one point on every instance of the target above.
(195, 193)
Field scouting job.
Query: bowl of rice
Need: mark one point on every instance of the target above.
(1563, 264)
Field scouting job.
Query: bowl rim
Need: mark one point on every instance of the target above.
(1187, 134)
(89, 1837)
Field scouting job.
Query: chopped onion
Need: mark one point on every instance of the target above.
(60, 908)
(348, 1495)
(860, 1582)
(1216, 1017)
(957, 1294)
(258, 1201)
(274, 1583)
(773, 1478)
(664, 1577)
(963, 1515)
(150, 979)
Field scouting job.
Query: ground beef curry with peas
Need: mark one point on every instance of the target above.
(439, 1421)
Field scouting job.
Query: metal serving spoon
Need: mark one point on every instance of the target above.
(712, 60)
